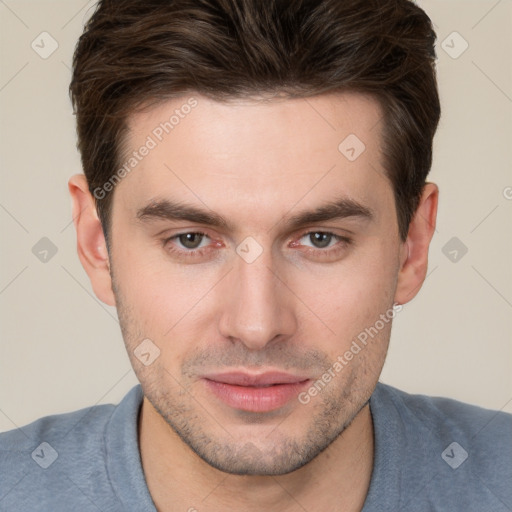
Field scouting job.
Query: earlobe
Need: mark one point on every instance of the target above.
(91, 244)
(414, 251)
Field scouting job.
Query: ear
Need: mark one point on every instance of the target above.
(414, 251)
(91, 244)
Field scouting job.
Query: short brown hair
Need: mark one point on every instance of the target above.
(137, 51)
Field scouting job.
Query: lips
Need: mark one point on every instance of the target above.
(255, 392)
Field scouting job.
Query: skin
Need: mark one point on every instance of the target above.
(295, 308)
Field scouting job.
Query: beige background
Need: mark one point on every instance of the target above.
(61, 349)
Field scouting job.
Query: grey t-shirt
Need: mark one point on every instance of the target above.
(431, 454)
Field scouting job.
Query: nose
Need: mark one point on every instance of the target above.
(257, 308)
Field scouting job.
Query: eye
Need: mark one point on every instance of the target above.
(191, 247)
(323, 246)
(191, 240)
(319, 239)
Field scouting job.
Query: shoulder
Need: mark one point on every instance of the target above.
(91, 419)
(446, 414)
(433, 409)
(60, 459)
(452, 452)
(41, 441)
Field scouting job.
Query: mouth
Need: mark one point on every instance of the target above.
(255, 392)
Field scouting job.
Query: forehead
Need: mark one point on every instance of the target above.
(245, 153)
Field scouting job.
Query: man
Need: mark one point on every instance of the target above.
(255, 206)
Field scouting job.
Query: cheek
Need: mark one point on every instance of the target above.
(352, 295)
(161, 296)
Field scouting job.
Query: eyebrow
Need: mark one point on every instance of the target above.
(334, 210)
(165, 209)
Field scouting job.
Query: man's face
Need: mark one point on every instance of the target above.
(271, 278)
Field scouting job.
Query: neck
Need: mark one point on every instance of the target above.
(337, 479)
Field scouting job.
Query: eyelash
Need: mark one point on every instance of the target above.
(342, 243)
